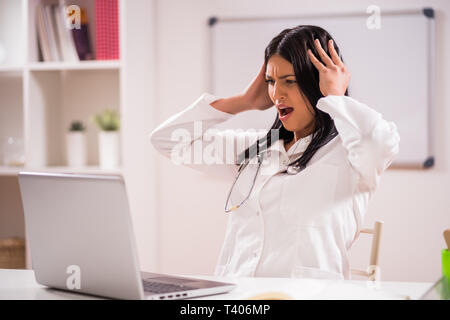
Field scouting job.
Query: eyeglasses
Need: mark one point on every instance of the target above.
(239, 194)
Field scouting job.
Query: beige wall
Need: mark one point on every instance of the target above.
(414, 204)
(12, 221)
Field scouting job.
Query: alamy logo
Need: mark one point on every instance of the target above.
(374, 20)
(73, 20)
(73, 281)
(216, 146)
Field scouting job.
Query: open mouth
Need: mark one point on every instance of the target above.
(286, 111)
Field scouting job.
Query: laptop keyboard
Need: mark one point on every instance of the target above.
(158, 287)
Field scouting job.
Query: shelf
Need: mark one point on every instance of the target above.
(61, 66)
(14, 171)
(12, 68)
(9, 171)
(82, 65)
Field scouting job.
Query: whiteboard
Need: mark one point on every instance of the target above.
(392, 68)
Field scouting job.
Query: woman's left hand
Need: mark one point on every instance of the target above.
(334, 76)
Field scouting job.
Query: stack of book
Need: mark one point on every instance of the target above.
(62, 35)
(63, 32)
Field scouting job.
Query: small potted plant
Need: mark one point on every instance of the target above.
(108, 139)
(76, 145)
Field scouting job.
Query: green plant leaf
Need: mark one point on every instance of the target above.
(108, 120)
(77, 126)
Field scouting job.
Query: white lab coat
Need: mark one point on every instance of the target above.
(297, 225)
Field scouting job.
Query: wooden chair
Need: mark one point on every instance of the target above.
(372, 271)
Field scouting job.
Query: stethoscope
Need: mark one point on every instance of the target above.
(291, 170)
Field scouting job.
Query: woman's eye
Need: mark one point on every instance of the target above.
(270, 81)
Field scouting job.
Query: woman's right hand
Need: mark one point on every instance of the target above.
(256, 95)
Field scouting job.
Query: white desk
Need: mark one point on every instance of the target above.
(21, 284)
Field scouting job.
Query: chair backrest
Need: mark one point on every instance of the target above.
(373, 270)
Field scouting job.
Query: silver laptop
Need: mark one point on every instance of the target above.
(81, 239)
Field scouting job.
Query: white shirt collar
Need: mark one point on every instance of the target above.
(296, 149)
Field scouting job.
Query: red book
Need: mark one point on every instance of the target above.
(107, 29)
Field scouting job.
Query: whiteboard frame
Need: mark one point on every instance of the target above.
(428, 12)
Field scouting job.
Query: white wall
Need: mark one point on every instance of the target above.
(138, 99)
(414, 204)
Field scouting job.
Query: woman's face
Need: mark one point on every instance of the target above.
(285, 92)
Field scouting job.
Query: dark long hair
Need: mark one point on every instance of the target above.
(292, 44)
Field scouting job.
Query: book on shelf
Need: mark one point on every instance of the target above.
(52, 36)
(58, 38)
(107, 29)
(68, 50)
(43, 37)
(81, 38)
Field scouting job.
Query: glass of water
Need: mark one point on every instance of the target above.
(13, 152)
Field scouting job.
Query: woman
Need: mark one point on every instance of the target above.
(300, 217)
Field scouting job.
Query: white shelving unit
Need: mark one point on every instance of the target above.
(14, 171)
(82, 65)
(39, 100)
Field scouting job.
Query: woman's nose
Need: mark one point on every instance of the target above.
(278, 93)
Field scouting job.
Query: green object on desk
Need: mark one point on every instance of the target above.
(445, 294)
(446, 263)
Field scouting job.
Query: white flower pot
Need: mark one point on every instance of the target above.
(76, 149)
(109, 149)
